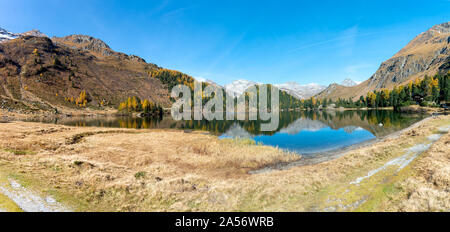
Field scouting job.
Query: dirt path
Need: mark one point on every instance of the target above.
(383, 176)
(27, 200)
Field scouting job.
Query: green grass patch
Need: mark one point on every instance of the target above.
(8, 205)
(140, 175)
(20, 152)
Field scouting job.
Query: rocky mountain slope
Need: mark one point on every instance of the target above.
(94, 46)
(40, 73)
(427, 54)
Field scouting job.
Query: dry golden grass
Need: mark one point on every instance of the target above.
(430, 189)
(153, 163)
(97, 169)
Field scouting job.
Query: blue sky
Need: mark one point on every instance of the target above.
(263, 41)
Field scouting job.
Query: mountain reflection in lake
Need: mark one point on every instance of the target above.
(305, 132)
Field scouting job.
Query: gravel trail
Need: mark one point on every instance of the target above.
(28, 200)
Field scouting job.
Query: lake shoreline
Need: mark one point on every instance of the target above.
(334, 154)
(6, 115)
(354, 123)
(92, 169)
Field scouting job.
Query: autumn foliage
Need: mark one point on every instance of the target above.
(80, 101)
(173, 78)
(134, 104)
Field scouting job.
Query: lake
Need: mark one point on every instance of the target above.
(305, 132)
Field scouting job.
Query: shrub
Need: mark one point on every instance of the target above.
(140, 175)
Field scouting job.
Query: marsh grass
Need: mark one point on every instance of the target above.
(120, 170)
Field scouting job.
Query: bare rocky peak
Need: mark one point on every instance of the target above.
(442, 28)
(136, 58)
(97, 46)
(85, 42)
(437, 34)
(427, 51)
(35, 33)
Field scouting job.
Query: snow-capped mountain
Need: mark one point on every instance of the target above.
(208, 81)
(6, 35)
(349, 82)
(237, 88)
(301, 91)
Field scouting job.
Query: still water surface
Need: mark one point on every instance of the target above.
(305, 132)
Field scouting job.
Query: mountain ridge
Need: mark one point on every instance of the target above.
(349, 82)
(6, 35)
(427, 54)
(46, 75)
(85, 63)
(237, 88)
(301, 92)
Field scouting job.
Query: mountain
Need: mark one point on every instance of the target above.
(39, 73)
(6, 35)
(42, 73)
(301, 91)
(34, 32)
(94, 46)
(427, 54)
(349, 82)
(238, 87)
(208, 81)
